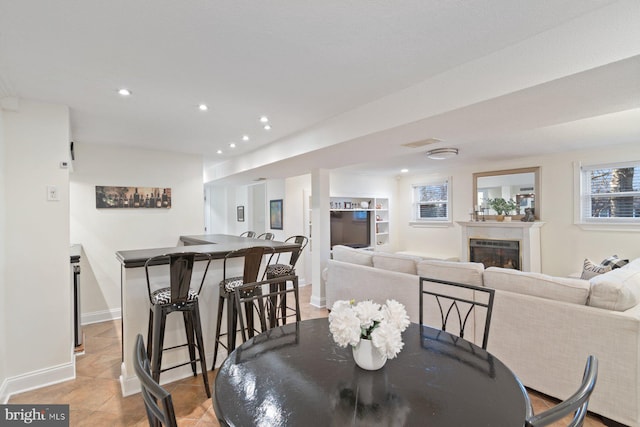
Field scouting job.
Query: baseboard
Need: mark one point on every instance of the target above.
(318, 302)
(129, 383)
(4, 395)
(101, 316)
(37, 379)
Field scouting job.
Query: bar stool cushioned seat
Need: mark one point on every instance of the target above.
(163, 296)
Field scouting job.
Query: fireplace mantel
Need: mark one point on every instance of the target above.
(528, 233)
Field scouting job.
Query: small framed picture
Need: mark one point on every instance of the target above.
(275, 214)
(240, 213)
(347, 205)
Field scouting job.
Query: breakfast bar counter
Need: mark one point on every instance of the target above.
(135, 298)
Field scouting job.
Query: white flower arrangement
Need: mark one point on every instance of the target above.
(382, 324)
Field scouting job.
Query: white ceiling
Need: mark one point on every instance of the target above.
(305, 64)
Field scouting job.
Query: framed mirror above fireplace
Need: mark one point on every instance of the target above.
(521, 185)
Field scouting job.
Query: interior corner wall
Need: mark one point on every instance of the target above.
(36, 283)
(103, 232)
(3, 283)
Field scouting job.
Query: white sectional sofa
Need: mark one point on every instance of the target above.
(542, 327)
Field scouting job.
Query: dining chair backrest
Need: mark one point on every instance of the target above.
(180, 273)
(157, 401)
(266, 236)
(576, 404)
(250, 234)
(457, 302)
(264, 300)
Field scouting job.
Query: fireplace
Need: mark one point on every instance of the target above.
(526, 234)
(495, 253)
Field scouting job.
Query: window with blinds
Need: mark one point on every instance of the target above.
(431, 202)
(610, 193)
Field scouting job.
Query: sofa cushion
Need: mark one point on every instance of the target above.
(353, 256)
(591, 269)
(393, 262)
(469, 273)
(537, 284)
(618, 289)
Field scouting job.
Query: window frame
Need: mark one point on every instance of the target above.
(583, 196)
(431, 222)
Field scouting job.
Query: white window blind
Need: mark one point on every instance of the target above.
(610, 193)
(431, 202)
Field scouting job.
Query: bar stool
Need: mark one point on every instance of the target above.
(250, 234)
(279, 269)
(252, 261)
(177, 297)
(266, 236)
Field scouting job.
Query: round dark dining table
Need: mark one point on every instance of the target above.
(295, 375)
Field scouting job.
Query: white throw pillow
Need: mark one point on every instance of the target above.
(618, 289)
(537, 284)
(353, 256)
(469, 273)
(392, 262)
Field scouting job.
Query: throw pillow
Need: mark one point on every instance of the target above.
(591, 269)
(614, 262)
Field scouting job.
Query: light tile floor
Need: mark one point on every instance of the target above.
(95, 399)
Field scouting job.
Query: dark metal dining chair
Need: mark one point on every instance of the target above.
(252, 258)
(250, 234)
(266, 236)
(157, 401)
(259, 300)
(177, 297)
(456, 302)
(575, 404)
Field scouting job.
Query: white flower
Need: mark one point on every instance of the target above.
(344, 326)
(368, 312)
(394, 313)
(387, 339)
(349, 322)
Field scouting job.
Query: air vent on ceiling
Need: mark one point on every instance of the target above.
(422, 143)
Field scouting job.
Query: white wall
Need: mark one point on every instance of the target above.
(564, 245)
(3, 284)
(103, 232)
(36, 281)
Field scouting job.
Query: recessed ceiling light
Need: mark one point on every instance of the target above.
(264, 119)
(232, 144)
(404, 170)
(203, 107)
(219, 152)
(245, 137)
(267, 127)
(124, 92)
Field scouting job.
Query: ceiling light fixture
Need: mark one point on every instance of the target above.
(124, 92)
(219, 152)
(267, 127)
(203, 107)
(264, 119)
(232, 144)
(442, 153)
(245, 137)
(404, 170)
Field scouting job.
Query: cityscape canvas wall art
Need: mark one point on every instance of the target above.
(110, 197)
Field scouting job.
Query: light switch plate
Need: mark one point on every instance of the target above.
(52, 193)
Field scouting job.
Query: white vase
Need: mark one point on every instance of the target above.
(367, 356)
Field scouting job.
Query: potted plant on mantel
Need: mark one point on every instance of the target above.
(502, 207)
